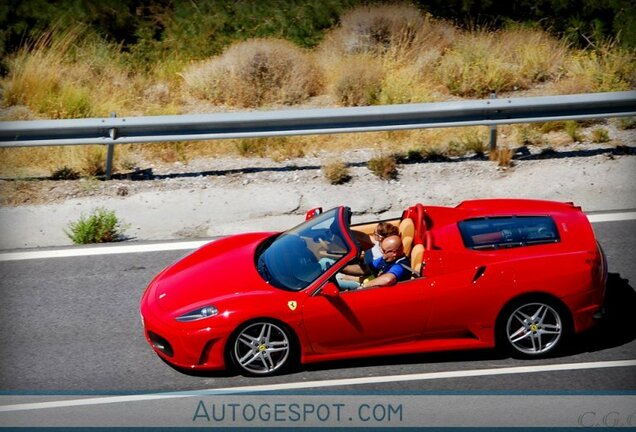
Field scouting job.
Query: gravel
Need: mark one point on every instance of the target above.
(209, 197)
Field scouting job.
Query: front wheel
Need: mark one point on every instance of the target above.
(533, 328)
(261, 348)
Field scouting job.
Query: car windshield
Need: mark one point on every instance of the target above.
(296, 258)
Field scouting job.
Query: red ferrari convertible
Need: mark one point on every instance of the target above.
(522, 275)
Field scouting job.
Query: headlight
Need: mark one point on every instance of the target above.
(198, 314)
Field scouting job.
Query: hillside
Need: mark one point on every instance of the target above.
(168, 58)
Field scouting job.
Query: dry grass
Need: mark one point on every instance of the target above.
(378, 54)
(358, 81)
(68, 76)
(336, 172)
(276, 148)
(607, 68)
(377, 29)
(255, 73)
(600, 135)
(470, 142)
(407, 85)
(482, 62)
(540, 57)
(503, 157)
(384, 166)
(573, 129)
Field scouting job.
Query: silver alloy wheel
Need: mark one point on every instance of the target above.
(534, 328)
(261, 348)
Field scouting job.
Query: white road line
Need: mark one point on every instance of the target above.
(611, 217)
(103, 250)
(319, 384)
(190, 245)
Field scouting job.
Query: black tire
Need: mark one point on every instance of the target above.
(533, 327)
(262, 348)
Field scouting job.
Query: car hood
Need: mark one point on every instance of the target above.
(219, 270)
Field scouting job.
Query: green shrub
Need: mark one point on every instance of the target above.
(384, 167)
(600, 135)
(551, 126)
(626, 123)
(336, 172)
(434, 154)
(65, 173)
(573, 130)
(101, 226)
(413, 155)
(251, 147)
(468, 143)
(275, 148)
(527, 135)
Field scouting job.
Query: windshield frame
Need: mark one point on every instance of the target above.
(269, 256)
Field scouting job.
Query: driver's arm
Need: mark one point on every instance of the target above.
(387, 279)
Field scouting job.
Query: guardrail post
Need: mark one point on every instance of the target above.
(110, 151)
(493, 130)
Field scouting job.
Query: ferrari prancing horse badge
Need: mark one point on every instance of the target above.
(292, 304)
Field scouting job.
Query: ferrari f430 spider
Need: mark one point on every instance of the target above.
(520, 275)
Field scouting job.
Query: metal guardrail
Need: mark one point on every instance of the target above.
(486, 112)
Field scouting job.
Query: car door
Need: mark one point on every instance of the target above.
(364, 318)
(465, 293)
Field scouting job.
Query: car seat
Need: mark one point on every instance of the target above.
(407, 232)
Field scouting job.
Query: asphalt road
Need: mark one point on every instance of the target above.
(71, 325)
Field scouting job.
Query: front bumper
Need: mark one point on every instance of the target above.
(185, 345)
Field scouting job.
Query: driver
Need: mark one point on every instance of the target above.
(387, 269)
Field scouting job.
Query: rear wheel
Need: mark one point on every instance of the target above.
(262, 348)
(533, 328)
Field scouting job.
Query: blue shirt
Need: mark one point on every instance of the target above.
(382, 267)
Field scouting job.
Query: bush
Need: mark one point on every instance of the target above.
(503, 157)
(359, 82)
(67, 75)
(467, 143)
(482, 62)
(528, 135)
(95, 162)
(573, 130)
(65, 173)
(101, 226)
(435, 154)
(336, 172)
(474, 67)
(384, 167)
(604, 69)
(255, 73)
(600, 135)
(378, 28)
(276, 148)
(627, 123)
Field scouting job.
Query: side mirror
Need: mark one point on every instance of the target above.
(313, 213)
(330, 290)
